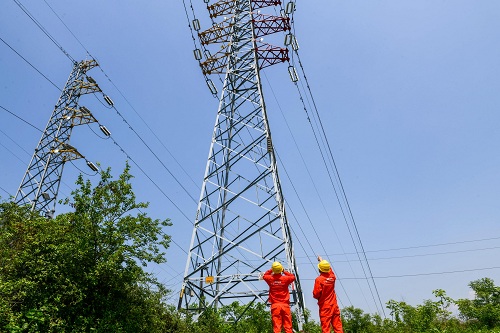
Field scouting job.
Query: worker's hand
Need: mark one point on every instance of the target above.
(261, 274)
(319, 258)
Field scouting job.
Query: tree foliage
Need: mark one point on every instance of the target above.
(82, 271)
(484, 309)
(480, 314)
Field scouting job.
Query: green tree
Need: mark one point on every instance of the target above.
(84, 270)
(354, 320)
(484, 309)
(235, 318)
(421, 318)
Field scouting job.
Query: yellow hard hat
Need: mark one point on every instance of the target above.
(277, 267)
(324, 266)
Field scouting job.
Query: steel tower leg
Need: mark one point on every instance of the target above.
(241, 225)
(41, 181)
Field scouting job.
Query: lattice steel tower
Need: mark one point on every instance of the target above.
(241, 225)
(42, 179)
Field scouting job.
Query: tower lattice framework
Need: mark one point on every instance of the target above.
(241, 225)
(40, 184)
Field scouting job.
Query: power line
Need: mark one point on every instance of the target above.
(438, 244)
(149, 128)
(71, 32)
(114, 143)
(29, 63)
(122, 95)
(1, 188)
(123, 118)
(84, 172)
(15, 115)
(66, 185)
(170, 238)
(343, 196)
(320, 149)
(312, 226)
(435, 273)
(422, 255)
(303, 162)
(10, 151)
(71, 58)
(422, 274)
(314, 185)
(158, 187)
(339, 201)
(128, 102)
(40, 26)
(438, 253)
(339, 181)
(423, 246)
(43, 75)
(13, 141)
(182, 249)
(155, 155)
(152, 181)
(310, 261)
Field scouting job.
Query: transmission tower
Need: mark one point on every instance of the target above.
(241, 225)
(42, 179)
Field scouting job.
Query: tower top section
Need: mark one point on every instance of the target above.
(222, 41)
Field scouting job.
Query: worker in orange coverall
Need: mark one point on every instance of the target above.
(324, 292)
(279, 296)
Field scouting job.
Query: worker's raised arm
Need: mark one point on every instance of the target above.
(289, 277)
(267, 276)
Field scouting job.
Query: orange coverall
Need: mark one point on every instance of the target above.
(279, 297)
(329, 311)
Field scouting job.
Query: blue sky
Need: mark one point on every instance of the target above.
(407, 92)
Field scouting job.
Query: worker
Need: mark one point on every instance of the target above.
(324, 292)
(279, 296)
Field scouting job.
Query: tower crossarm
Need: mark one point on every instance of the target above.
(87, 87)
(66, 151)
(270, 55)
(87, 65)
(256, 4)
(225, 7)
(219, 33)
(267, 54)
(81, 116)
(268, 24)
(216, 63)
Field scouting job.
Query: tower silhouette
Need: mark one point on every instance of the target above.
(40, 184)
(241, 225)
